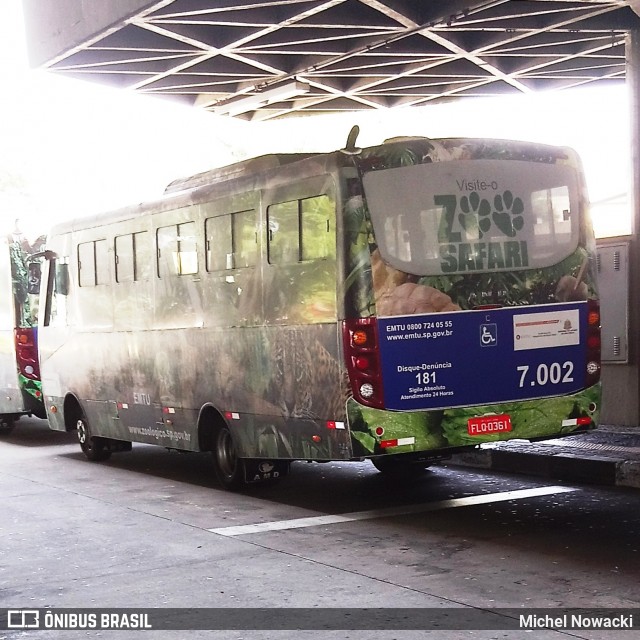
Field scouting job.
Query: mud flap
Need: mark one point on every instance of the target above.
(256, 470)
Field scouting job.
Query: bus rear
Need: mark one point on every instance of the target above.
(472, 303)
(20, 387)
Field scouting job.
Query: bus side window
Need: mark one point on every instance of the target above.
(123, 246)
(187, 249)
(86, 265)
(245, 238)
(317, 228)
(141, 256)
(231, 241)
(283, 221)
(219, 244)
(301, 230)
(176, 249)
(132, 257)
(93, 263)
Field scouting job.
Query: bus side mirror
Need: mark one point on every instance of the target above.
(62, 279)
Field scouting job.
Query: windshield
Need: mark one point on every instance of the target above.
(474, 215)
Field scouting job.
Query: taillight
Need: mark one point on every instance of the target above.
(27, 353)
(360, 339)
(593, 342)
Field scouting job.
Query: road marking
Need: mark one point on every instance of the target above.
(315, 521)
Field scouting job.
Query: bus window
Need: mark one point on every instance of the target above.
(187, 252)
(232, 241)
(301, 230)
(284, 232)
(521, 220)
(141, 256)
(552, 211)
(219, 243)
(93, 263)
(177, 253)
(245, 238)
(132, 257)
(124, 258)
(317, 224)
(86, 265)
(102, 262)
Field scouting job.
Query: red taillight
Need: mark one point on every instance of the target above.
(593, 342)
(593, 316)
(359, 338)
(362, 358)
(27, 353)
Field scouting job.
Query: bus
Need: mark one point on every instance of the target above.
(397, 303)
(20, 386)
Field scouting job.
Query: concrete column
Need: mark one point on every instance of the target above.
(621, 383)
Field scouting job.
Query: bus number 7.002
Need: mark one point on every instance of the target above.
(554, 373)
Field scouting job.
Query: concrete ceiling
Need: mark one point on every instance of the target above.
(261, 59)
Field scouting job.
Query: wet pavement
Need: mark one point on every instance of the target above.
(608, 455)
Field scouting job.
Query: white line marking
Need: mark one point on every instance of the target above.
(315, 521)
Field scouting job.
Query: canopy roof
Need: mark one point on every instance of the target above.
(260, 59)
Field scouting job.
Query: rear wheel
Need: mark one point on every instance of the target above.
(6, 425)
(92, 446)
(229, 469)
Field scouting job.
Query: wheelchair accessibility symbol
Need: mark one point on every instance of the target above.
(488, 335)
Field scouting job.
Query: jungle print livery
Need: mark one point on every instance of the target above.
(378, 288)
(235, 315)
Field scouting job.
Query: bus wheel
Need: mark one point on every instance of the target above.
(6, 425)
(397, 467)
(93, 447)
(229, 469)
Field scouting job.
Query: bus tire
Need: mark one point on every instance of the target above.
(92, 446)
(229, 469)
(7, 423)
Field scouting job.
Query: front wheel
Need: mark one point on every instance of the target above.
(92, 446)
(229, 469)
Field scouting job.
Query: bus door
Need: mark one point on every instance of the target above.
(54, 327)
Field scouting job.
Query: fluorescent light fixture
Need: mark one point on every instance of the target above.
(236, 106)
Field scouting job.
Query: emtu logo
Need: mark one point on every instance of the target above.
(23, 619)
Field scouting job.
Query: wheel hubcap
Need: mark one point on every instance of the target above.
(82, 431)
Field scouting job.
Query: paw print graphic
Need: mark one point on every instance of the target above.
(507, 213)
(475, 214)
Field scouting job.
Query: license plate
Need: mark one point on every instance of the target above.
(488, 425)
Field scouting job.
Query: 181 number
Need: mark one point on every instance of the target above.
(554, 373)
(426, 377)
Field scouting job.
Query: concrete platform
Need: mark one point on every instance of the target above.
(608, 455)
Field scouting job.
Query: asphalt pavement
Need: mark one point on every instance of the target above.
(608, 455)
